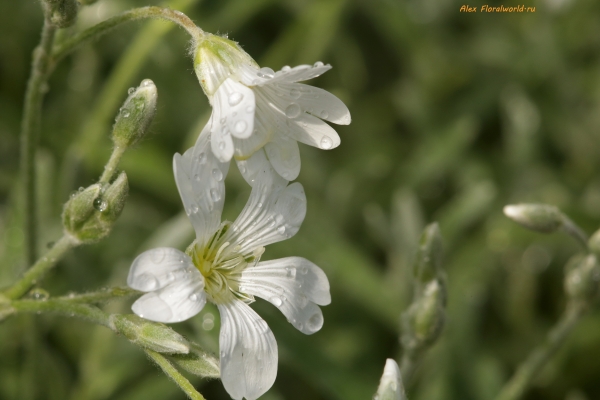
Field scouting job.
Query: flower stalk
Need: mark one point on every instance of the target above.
(174, 375)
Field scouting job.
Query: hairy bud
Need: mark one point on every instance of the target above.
(198, 363)
(150, 335)
(582, 278)
(537, 217)
(428, 263)
(136, 115)
(423, 322)
(390, 385)
(90, 213)
(62, 13)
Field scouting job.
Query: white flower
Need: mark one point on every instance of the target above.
(259, 110)
(222, 266)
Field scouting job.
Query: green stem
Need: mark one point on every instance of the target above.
(408, 364)
(111, 165)
(42, 266)
(30, 124)
(573, 230)
(98, 30)
(172, 373)
(99, 296)
(528, 370)
(65, 308)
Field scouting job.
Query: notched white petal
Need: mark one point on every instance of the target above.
(284, 155)
(300, 73)
(255, 166)
(315, 101)
(248, 352)
(294, 285)
(200, 180)
(235, 105)
(181, 299)
(156, 268)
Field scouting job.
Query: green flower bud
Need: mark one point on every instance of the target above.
(428, 263)
(136, 115)
(62, 13)
(90, 214)
(198, 363)
(390, 386)
(148, 334)
(215, 58)
(582, 277)
(594, 243)
(424, 320)
(538, 217)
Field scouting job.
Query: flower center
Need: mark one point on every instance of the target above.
(221, 264)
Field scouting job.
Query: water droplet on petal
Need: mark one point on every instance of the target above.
(304, 270)
(235, 98)
(195, 208)
(315, 322)
(221, 145)
(290, 272)
(201, 158)
(157, 256)
(324, 114)
(302, 301)
(294, 93)
(286, 68)
(197, 177)
(240, 126)
(259, 205)
(130, 90)
(125, 113)
(266, 73)
(249, 109)
(281, 229)
(147, 82)
(215, 195)
(277, 302)
(217, 174)
(223, 120)
(326, 143)
(170, 276)
(193, 297)
(318, 64)
(293, 110)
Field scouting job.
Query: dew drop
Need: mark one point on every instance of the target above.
(157, 256)
(221, 145)
(235, 98)
(147, 82)
(125, 113)
(201, 158)
(266, 73)
(270, 222)
(324, 114)
(240, 126)
(130, 90)
(304, 270)
(217, 174)
(281, 229)
(293, 110)
(290, 272)
(295, 93)
(193, 297)
(140, 106)
(215, 195)
(276, 301)
(326, 143)
(197, 177)
(302, 301)
(318, 64)
(194, 210)
(259, 205)
(146, 282)
(242, 169)
(249, 109)
(170, 276)
(100, 205)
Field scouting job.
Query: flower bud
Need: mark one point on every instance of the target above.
(148, 334)
(428, 263)
(198, 363)
(582, 277)
(538, 217)
(136, 115)
(424, 320)
(390, 386)
(215, 58)
(90, 214)
(62, 13)
(594, 243)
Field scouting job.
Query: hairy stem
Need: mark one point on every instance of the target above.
(100, 296)
(172, 373)
(528, 370)
(65, 308)
(111, 165)
(104, 27)
(30, 125)
(42, 266)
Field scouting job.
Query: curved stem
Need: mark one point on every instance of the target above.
(99, 296)
(111, 165)
(104, 27)
(61, 307)
(172, 373)
(42, 266)
(34, 95)
(528, 370)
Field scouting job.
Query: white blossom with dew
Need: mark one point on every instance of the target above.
(263, 112)
(223, 266)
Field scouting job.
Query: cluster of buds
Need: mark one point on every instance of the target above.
(424, 320)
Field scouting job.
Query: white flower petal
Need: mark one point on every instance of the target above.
(273, 213)
(300, 73)
(294, 285)
(248, 352)
(257, 164)
(156, 268)
(315, 101)
(284, 155)
(264, 130)
(236, 105)
(200, 179)
(181, 299)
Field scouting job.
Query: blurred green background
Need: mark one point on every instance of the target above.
(454, 116)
